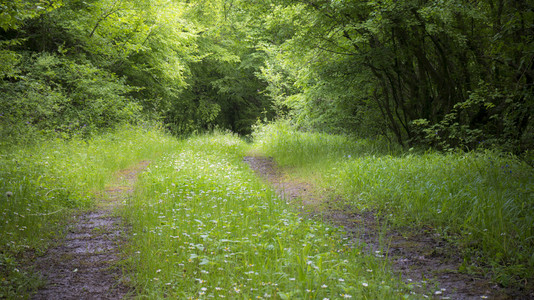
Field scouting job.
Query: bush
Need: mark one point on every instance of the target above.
(60, 96)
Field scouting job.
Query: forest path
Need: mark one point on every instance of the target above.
(84, 263)
(424, 259)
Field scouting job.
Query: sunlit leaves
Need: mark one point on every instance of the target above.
(14, 12)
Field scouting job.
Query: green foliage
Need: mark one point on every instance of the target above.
(53, 93)
(15, 282)
(205, 226)
(348, 65)
(481, 201)
(119, 54)
(14, 12)
(9, 58)
(222, 89)
(401, 70)
(473, 123)
(160, 68)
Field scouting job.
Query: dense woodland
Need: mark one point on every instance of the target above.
(377, 104)
(445, 74)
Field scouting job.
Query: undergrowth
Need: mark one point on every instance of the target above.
(204, 226)
(41, 183)
(482, 201)
(291, 148)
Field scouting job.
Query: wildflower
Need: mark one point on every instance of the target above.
(341, 279)
(324, 286)
(365, 284)
(346, 296)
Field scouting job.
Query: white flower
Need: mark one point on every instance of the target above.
(365, 284)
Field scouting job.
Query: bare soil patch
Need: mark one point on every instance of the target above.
(422, 257)
(85, 263)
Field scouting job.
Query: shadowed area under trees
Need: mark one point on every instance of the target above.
(445, 74)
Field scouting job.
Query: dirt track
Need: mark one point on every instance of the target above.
(422, 257)
(84, 265)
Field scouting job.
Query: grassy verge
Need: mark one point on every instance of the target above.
(303, 149)
(40, 184)
(483, 201)
(205, 227)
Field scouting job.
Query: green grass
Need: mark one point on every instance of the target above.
(483, 201)
(40, 184)
(303, 149)
(204, 226)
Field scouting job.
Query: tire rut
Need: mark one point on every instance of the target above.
(84, 264)
(424, 259)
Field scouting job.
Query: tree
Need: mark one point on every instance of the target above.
(447, 73)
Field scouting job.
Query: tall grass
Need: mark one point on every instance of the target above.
(41, 183)
(294, 148)
(205, 227)
(484, 201)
